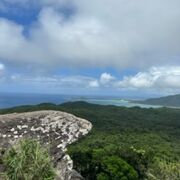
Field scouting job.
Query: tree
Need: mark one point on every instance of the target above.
(116, 168)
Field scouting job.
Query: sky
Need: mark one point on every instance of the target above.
(98, 47)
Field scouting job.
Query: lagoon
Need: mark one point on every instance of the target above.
(17, 99)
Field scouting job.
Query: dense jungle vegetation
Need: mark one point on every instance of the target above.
(125, 143)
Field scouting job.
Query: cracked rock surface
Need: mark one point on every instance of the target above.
(53, 128)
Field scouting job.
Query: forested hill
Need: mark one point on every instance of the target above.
(125, 143)
(171, 101)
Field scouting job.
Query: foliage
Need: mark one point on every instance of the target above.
(173, 101)
(147, 140)
(166, 169)
(96, 164)
(28, 161)
(116, 168)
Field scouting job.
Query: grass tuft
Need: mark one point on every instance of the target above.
(28, 161)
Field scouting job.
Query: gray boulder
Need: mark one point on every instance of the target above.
(54, 129)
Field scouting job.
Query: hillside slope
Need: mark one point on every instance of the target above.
(171, 101)
(125, 143)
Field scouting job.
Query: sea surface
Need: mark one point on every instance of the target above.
(15, 99)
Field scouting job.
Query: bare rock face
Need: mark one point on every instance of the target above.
(53, 128)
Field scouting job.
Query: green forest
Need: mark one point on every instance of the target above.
(125, 143)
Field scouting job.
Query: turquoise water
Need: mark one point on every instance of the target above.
(14, 99)
(117, 102)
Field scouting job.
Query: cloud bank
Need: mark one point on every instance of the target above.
(158, 80)
(117, 33)
(164, 78)
(142, 36)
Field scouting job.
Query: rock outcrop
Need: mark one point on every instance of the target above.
(53, 128)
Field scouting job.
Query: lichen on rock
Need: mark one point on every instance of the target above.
(54, 129)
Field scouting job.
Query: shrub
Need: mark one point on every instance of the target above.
(28, 161)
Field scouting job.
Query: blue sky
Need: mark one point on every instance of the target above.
(118, 47)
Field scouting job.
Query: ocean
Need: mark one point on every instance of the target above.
(16, 99)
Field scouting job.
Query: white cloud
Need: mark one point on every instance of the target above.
(94, 84)
(99, 33)
(164, 78)
(156, 80)
(106, 78)
(117, 33)
(55, 81)
(2, 69)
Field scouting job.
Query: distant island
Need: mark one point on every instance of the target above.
(170, 101)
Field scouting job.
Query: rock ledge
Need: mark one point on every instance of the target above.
(55, 129)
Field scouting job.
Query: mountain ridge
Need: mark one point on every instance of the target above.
(169, 101)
